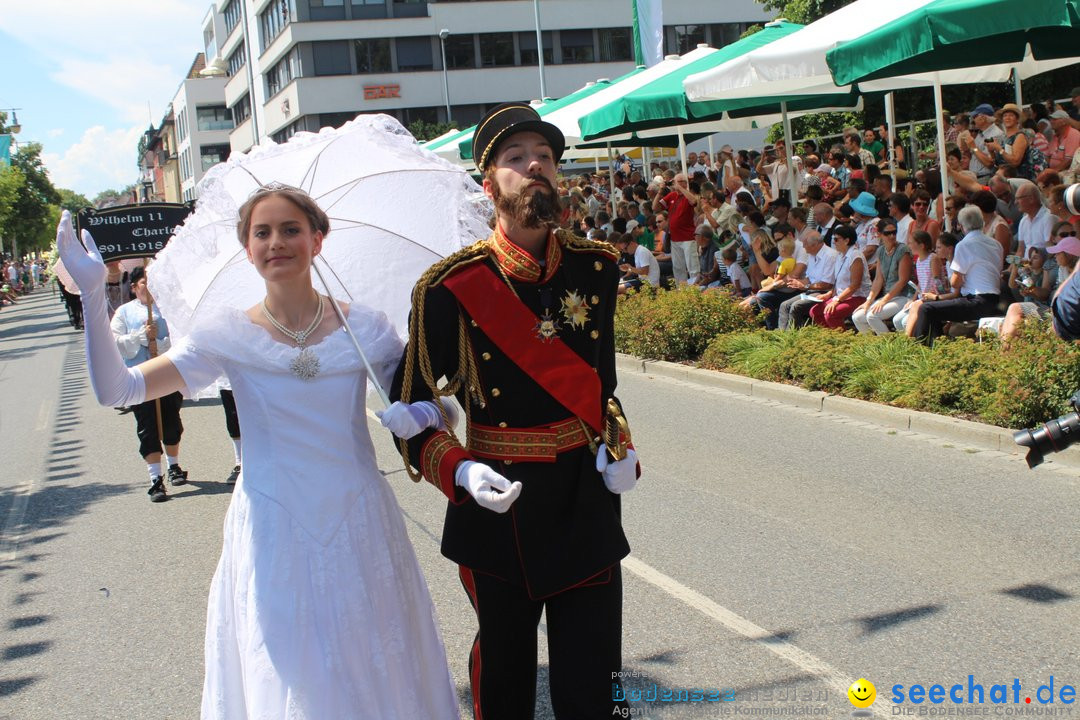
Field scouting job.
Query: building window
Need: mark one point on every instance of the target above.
(237, 60)
(331, 58)
(368, 2)
(460, 52)
(615, 44)
(725, 33)
(687, 38)
(327, 9)
(496, 49)
(241, 111)
(414, 53)
(233, 12)
(337, 119)
(181, 125)
(211, 155)
(424, 114)
(273, 20)
(213, 117)
(286, 132)
(283, 73)
(209, 42)
(372, 56)
(577, 46)
(527, 43)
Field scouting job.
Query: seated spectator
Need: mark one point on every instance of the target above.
(920, 204)
(866, 219)
(1037, 221)
(732, 274)
(1056, 199)
(1030, 280)
(994, 225)
(774, 288)
(640, 263)
(705, 253)
(929, 276)
(1067, 249)
(851, 286)
(975, 282)
(1064, 144)
(890, 292)
(819, 277)
(763, 253)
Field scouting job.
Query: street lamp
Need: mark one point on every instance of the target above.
(14, 127)
(443, 34)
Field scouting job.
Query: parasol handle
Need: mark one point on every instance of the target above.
(348, 331)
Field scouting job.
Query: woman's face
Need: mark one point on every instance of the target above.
(943, 250)
(281, 243)
(1009, 119)
(921, 207)
(1037, 261)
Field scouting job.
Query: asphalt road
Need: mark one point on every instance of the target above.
(778, 554)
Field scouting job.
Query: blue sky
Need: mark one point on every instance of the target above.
(90, 78)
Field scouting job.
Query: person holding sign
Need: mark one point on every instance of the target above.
(522, 327)
(318, 608)
(137, 326)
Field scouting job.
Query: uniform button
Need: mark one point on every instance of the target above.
(495, 392)
(473, 323)
(508, 462)
(486, 356)
(598, 265)
(594, 334)
(595, 300)
(502, 424)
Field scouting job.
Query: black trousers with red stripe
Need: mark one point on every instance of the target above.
(584, 631)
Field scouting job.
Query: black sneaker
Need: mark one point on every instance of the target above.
(176, 475)
(157, 490)
(233, 475)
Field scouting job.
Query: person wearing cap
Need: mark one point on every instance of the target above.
(725, 166)
(521, 326)
(1014, 149)
(982, 160)
(1065, 142)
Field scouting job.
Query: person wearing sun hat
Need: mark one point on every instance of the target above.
(522, 324)
(866, 218)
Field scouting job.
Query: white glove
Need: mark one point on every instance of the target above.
(490, 489)
(620, 475)
(114, 384)
(407, 420)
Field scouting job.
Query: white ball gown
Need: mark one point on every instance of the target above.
(318, 609)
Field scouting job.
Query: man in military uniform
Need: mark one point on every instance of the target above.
(521, 327)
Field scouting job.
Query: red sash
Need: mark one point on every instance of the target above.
(511, 326)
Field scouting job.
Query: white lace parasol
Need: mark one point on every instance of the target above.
(394, 210)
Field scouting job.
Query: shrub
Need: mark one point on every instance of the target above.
(676, 324)
(886, 368)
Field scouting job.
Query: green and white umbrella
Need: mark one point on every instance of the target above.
(980, 39)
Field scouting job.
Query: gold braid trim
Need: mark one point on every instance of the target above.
(573, 243)
(418, 352)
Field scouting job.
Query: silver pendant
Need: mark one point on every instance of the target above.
(305, 365)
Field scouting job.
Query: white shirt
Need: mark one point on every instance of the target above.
(1035, 232)
(696, 168)
(13, 275)
(843, 273)
(643, 257)
(993, 132)
(978, 258)
(821, 268)
(866, 234)
(903, 229)
(778, 176)
(736, 273)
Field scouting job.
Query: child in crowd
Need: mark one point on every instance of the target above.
(739, 281)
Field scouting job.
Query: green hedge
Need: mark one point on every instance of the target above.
(1022, 386)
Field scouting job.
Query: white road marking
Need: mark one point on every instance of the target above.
(44, 413)
(736, 623)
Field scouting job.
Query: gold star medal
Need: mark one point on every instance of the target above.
(575, 309)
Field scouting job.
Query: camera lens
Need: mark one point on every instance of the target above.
(1054, 436)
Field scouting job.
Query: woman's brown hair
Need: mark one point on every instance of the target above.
(306, 204)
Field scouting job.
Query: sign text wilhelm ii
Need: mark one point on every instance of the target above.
(132, 231)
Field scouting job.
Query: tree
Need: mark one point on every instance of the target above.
(12, 181)
(112, 198)
(424, 131)
(72, 201)
(803, 12)
(30, 216)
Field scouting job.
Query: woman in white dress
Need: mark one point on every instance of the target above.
(318, 608)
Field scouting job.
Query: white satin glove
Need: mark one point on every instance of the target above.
(620, 475)
(490, 489)
(115, 385)
(408, 420)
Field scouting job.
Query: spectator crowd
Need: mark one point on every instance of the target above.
(864, 244)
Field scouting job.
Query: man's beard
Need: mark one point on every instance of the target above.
(539, 208)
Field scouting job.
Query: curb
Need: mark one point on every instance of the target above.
(966, 432)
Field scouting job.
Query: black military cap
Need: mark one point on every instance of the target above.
(509, 118)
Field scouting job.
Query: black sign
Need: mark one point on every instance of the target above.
(132, 231)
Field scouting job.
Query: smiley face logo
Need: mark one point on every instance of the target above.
(862, 693)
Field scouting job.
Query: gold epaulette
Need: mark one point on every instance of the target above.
(573, 243)
(466, 256)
